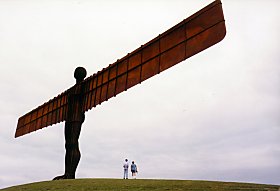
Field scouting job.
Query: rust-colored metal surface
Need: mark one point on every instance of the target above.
(189, 37)
(52, 112)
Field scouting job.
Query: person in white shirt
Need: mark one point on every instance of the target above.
(125, 168)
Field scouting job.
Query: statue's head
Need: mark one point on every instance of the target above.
(80, 73)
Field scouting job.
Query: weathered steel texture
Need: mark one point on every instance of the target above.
(189, 37)
(52, 112)
(196, 33)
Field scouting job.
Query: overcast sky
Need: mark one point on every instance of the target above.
(215, 116)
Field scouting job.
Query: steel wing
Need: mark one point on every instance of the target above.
(189, 37)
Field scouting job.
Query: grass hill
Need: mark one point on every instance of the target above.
(140, 185)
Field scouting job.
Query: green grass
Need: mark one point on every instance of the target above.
(139, 185)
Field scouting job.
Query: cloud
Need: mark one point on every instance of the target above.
(214, 116)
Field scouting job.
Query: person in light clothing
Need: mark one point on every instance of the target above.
(133, 168)
(125, 168)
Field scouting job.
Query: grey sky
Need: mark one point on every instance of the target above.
(214, 116)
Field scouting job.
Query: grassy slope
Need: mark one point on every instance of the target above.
(137, 185)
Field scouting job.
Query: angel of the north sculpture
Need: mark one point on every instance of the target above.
(189, 37)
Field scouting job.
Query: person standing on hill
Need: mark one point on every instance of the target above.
(133, 168)
(125, 168)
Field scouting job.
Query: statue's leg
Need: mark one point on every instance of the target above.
(72, 156)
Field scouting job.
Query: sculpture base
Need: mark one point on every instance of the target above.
(68, 176)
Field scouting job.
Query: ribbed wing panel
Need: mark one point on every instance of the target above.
(189, 37)
(196, 33)
(52, 112)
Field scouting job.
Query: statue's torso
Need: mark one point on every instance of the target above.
(75, 104)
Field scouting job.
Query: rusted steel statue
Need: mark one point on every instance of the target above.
(189, 37)
(73, 123)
